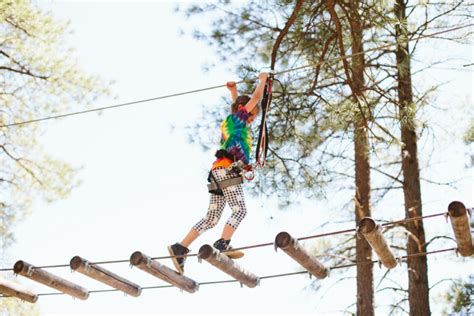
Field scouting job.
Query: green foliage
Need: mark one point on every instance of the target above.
(469, 135)
(314, 110)
(469, 141)
(14, 307)
(39, 78)
(312, 114)
(459, 297)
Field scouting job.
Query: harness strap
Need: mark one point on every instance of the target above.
(219, 185)
(262, 145)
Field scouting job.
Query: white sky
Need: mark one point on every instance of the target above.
(143, 185)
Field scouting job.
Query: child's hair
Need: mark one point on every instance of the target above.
(241, 100)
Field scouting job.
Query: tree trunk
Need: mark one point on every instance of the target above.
(356, 82)
(365, 288)
(418, 289)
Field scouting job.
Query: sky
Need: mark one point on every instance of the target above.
(143, 183)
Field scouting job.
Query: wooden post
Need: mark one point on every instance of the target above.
(460, 223)
(29, 271)
(373, 234)
(153, 267)
(102, 275)
(9, 288)
(291, 247)
(227, 265)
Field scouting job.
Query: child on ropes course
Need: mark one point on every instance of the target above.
(224, 177)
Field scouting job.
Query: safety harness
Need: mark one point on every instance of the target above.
(237, 168)
(215, 187)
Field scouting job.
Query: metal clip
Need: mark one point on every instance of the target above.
(380, 228)
(87, 266)
(469, 210)
(275, 246)
(148, 262)
(295, 243)
(247, 176)
(399, 260)
(29, 272)
(446, 216)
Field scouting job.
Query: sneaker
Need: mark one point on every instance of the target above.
(178, 256)
(225, 247)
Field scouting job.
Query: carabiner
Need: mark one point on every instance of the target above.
(251, 177)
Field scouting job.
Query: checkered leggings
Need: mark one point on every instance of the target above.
(234, 195)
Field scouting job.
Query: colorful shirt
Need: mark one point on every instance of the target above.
(236, 138)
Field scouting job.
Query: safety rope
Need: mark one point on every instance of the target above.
(262, 145)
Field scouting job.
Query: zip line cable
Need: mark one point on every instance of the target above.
(272, 276)
(110, 106)
(393, 223)
(431, 35)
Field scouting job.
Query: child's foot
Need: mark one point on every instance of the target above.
(224, 247)
(178, 256)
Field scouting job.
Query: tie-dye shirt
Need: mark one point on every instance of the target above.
(235, 138)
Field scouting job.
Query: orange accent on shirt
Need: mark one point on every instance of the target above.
(222, 162)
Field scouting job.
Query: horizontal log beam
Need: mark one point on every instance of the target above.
(9, 288)
(462, 231)
(41, 276)
(153, 267)
(291, 247)
(100, 274)
(373, 234)
(227, 265)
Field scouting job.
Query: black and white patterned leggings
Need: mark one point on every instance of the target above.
(234, 195)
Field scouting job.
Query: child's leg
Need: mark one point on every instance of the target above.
(234, 195)
(216, 206)
(190, 237)
(227, 232)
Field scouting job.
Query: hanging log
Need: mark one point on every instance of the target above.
(373, 234)
(153, 267)
(36, 274)
(227, 265)
(100, 274)
(291, 247)
(9, 288)
(462, 231)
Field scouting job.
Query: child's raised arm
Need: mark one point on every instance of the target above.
(233, 90)
(258, 92)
